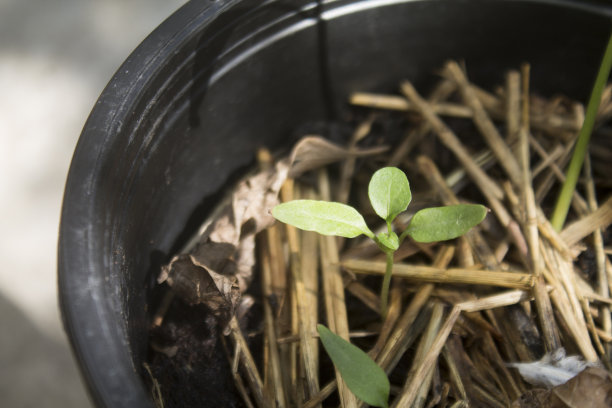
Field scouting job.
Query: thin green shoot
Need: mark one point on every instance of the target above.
(582, 143)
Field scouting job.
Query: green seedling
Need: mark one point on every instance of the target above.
(389, 193)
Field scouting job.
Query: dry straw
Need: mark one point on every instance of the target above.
(503, 293)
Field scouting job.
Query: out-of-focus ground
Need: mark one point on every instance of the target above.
(55, 58)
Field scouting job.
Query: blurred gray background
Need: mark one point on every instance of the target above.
(55, 58)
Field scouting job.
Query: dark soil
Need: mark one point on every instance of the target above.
(189, 361)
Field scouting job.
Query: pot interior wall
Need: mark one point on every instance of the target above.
(185, 114)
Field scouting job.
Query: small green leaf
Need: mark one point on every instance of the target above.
(327, 218)
(389, 192)
(442, 223)
(389, 241)
(360, 373)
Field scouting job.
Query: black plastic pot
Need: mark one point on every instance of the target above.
(186, 111)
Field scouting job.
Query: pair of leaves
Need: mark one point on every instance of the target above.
(390, 195)
(361, 374)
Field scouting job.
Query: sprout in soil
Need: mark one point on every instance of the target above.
(389, 193)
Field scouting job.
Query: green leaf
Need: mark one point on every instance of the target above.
(442, 223)
(389, 192)
(327, 218)
(360, 373)
(389, 241)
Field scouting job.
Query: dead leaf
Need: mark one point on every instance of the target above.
(592, 388)
(219, 264)
(249, 206)
(198, 284)
(313, 152)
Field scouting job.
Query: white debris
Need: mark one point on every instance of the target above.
(553, 369)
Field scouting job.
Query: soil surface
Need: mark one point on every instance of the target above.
(189, 361)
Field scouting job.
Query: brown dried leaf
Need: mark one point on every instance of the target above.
(245, 261)
(198, 284)
(219, 266)
(248, 210)
(313, 152)
(592, 388)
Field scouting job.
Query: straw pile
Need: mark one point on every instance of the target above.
(509, 291)
(477, 321)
